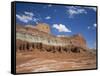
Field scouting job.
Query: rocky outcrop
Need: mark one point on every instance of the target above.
(30, 38)
(26, 46)
(43, 27)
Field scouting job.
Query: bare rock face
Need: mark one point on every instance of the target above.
(43, 27)
(39, 37)
(78, 40)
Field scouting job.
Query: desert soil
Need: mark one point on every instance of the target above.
(36, 61)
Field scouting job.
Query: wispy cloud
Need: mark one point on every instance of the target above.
(27, 16)
(72, 11)
(35, 20)
(93, 26)
(29, 13)
(92, 8)
(61, 28)
(48, 17)
(24, 18)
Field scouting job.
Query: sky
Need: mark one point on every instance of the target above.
(62, 19)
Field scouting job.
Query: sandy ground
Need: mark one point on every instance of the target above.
(37, 61)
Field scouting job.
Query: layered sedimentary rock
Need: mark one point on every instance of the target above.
(29, 38)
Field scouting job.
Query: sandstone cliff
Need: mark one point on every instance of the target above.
(29, 38)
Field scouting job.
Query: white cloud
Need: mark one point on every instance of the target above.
(95, 25)
(48, 17)
(29, 13)
(80, 11)
(24, 18)
(92, 8)
(35, 20)
(61, 28)
(72, 10)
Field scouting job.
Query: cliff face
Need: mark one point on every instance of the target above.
(78, 40)
(43, 27)
(37, 50)
(30, 38)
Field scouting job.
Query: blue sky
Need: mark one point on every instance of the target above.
(63, 20)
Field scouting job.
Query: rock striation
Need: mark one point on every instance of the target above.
(39, 37)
